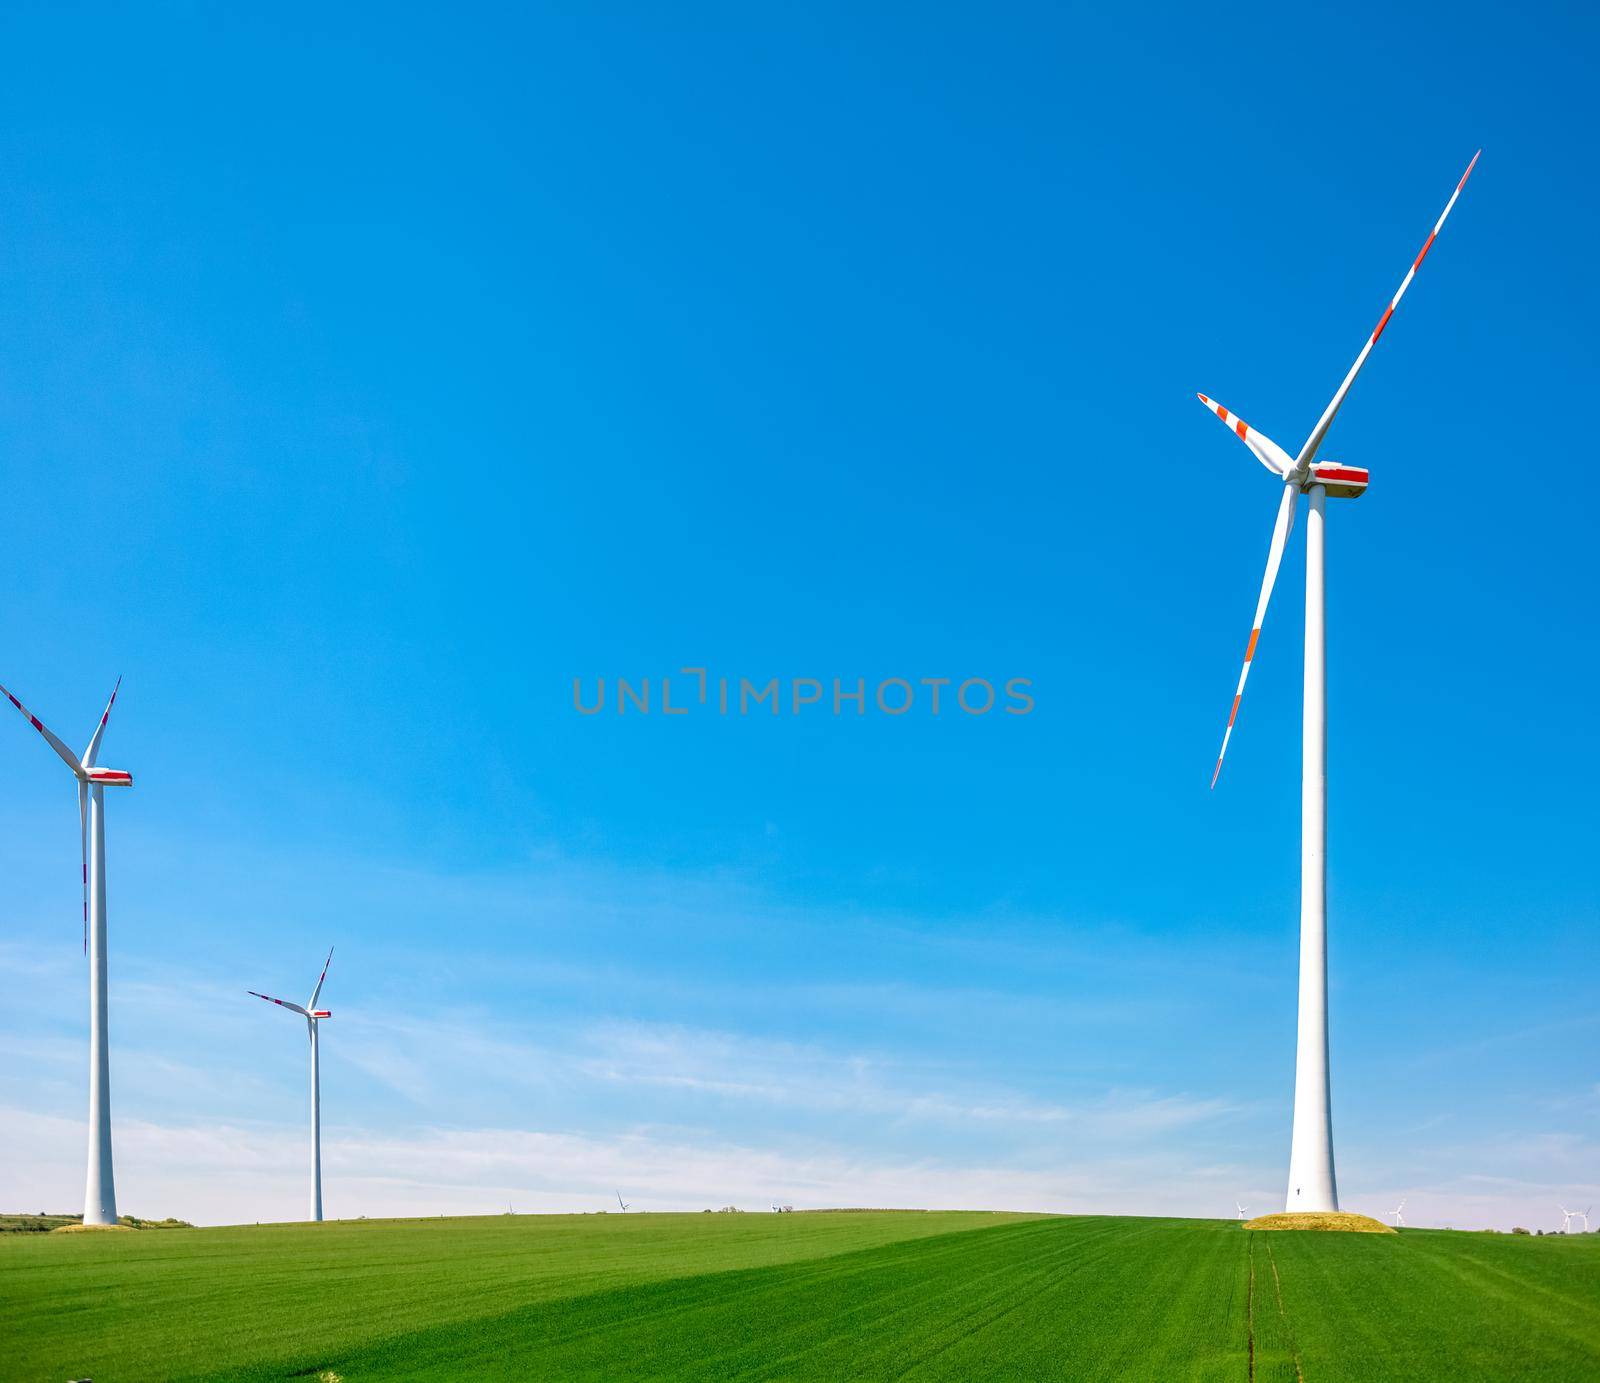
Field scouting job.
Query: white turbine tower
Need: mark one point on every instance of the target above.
(100, 1192)
(1566, 1218)
(313, 1016)
(1399, 1219)
(1311, 1179)
(1243, 1210)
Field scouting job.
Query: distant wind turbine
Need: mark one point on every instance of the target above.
(100, 1192)
(1568, 1216)
(1242, 1209)
(313, 1016)
(622, 1203)
(1399, 1219)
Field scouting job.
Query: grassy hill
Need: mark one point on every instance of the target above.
(869, 1295)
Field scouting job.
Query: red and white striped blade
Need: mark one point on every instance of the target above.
(1265, 450)
(67, 755)
(312, 1002)
(1280, 538)
(93, 751)
(83, 841)
(281, 1003)
(1308, 453)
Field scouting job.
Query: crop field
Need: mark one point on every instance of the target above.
(842, 1295)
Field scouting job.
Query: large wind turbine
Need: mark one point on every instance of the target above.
(1311, 1179)
(100, 1192)
(313, 1016)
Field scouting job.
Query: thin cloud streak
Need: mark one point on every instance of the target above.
(243, 1172)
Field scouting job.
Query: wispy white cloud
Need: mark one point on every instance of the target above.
(1495, 1039)
(462, 1075)
(814, 1077)
(231, 1173)
(244, 1171)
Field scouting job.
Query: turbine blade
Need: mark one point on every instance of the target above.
(1280, 537)
(1308, 453)
(93, 751)
(70, 759)
(1265, 450)
(312, 1002)
(281, 1003)
(83, 841)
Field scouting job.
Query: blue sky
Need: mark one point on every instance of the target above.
(365, 379)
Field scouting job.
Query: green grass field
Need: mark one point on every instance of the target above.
(868, 1295)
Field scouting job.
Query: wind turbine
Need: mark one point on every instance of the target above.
(1242, 1209)
(622, 1203)
(1399, 1219)
(100, 1192)
(1566, 1218)
(1311, 1179)
(313, 1016)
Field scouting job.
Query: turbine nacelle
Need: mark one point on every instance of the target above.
(320, 1013)
(1340, 481)
(108, 777)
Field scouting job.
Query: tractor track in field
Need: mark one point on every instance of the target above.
(984, 1318)
(1250, 1312)
(1277, 1288)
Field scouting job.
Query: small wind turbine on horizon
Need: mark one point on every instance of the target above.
(313, 1016)
(1399, 1219)
(1242, 1209)
(622, 1203)
(1568, 1216)
(100, 1192)
(1312, 1185)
